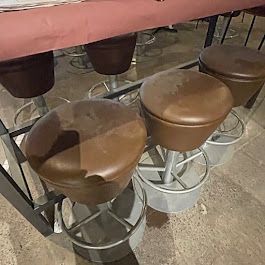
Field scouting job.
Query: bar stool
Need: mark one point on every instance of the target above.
(111, 57)
(29, 77)
(243, 70)
(89, 151)
(144, 39)
(182, 109)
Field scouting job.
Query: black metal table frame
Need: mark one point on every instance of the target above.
(15, 188)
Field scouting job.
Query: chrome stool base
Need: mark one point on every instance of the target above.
(109, 231)
(220, 147)
(178, 190)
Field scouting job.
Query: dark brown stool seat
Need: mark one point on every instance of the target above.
(87, 149)
(242, 69)
(29, 76)
(183, 108)
(256, 11)
(112, 56)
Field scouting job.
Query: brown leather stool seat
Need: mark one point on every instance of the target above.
(29, 76)
(242, 69)
(183, 108)
(87, 149)
(257, 11)
(112, 56)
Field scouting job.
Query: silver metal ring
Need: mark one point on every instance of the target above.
(151, 40)
(105, 83)
(185, 190)
(123, 97)
(32, 103)
(73, 54)
(90, 246)
(20, 110)
(102, 83)
(243, 126)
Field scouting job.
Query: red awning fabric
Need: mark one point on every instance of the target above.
(49, 28)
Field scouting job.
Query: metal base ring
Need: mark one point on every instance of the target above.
(21, 109)
(182, 193)
(220, 147)
(106, 221)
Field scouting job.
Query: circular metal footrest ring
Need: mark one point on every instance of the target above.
(107, 87)
(79, 60)
(75, 62)
(129, 98)
(89, 246)
(220, 146)
(231, 33)
(151, 39)
(21, 109)
(94, 87)
(140, 45)
(75, 53)
(225, 131)
(169, 199)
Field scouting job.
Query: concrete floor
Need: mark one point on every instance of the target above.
(226, 226)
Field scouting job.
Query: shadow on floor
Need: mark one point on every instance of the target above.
(127, 260)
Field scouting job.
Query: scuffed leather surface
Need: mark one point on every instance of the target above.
(185, 97)
(29, 76)
(87, 149)
(183, 108)
(241, 69)
(234, 61)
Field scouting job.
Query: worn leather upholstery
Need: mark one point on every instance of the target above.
(242, 69)
(29, 76)
(87, 149)
(183, 107)
(112, 56)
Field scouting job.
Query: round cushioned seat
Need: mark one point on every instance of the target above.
(242, 69)
(87, 149)
(29, 76)
(112, 56)
(182, 107)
